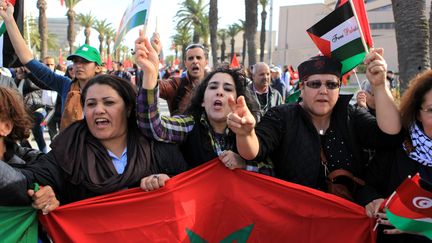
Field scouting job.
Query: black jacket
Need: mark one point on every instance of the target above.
(287, 135)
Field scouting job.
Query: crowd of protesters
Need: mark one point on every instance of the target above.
(110, 125)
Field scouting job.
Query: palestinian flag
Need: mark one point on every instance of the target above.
(211, 203)
(410, 208)
(136, 14)
(339, 36)
(360, 9)
(8, 58)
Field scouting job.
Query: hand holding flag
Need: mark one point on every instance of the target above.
(376, 67)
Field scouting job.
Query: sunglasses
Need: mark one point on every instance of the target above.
(316, 84)
(194, 45)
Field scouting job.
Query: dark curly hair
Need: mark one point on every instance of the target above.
(196, 110)
(123, 87)
(413, 97)
(12, 109)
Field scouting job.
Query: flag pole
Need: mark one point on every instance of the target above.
(359, 26)
(358, 81)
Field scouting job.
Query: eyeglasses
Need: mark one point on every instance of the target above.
(428, 110)
(194, 45)
(316, 84)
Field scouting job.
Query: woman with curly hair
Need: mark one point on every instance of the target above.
(15, 125)
(391, 167)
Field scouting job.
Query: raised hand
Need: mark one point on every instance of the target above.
(361, 99)
(376, 67)
(6, 10)
(156, 43)
(240, 120)
(146, 58)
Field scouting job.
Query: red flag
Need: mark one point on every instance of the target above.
(213, 204)
(360, 9)
(61, 61)
(109, 63)
(62, 2)
(234, 62)
(410, 200)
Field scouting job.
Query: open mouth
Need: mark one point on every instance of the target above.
(102, 122)
(218, 104)
(195, 69)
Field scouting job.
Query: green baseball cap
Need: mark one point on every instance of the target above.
(87, 52)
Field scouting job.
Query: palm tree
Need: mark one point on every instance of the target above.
(413, 50)
(242, 26)
(33, 33)
(182, 38)
(101, 27)
(233, 30)
(213, 23)
(250, 29)
(86, 21)
(222, 34)
(43, 28)
(204, 31)
(190, 15)
(263, 3)
(110, 35)
(70, 4)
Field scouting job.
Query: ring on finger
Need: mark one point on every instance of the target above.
(228, 164)
(156, 177)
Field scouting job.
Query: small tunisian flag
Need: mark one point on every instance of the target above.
(339, 35)
(211, 203)
(410, 208)
(234, 62)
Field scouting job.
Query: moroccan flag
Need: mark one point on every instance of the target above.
(338, 35)
(136, 14)
(410, 208)
(8, 58)
(18, 224)
(211, 203)
(234, 62)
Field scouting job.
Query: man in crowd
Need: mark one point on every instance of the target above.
(264, 95)
(276, 81)
(177, 91)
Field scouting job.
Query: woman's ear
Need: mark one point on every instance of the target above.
(5, 128)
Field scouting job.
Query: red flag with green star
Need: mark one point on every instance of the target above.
(211, 203)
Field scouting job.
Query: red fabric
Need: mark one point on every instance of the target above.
(234, 62)
(411, 201)
(12, 2)
(109, 63)
(61, 61)
(360, 9)
(323, 45)
(127, 63)
(213, 203)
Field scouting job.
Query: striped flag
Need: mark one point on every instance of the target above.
(136, 14)
(339, 35)
(8, 58)
(410, 207)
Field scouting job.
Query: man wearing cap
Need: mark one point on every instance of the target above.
(293, 135)
(260, 89)
(276, 81)
(177, 91)
(86, 59)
